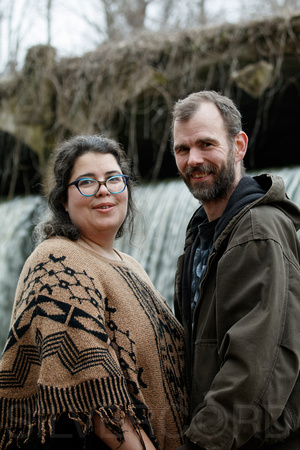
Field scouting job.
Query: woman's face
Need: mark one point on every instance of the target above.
(100, 216)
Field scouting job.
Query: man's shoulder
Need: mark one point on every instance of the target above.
(265, 221)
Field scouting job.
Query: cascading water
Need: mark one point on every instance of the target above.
(166, 208)
(17, 218)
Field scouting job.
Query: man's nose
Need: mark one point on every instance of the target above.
(195, 157)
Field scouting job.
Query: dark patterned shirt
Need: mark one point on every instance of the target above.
(202, 252)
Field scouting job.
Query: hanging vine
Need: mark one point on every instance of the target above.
(126, 89)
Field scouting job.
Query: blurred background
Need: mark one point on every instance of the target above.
(74, 27)
(116, 67)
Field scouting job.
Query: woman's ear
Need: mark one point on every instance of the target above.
(241, 144)
(64, 202)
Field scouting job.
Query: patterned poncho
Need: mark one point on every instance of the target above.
(90, 335)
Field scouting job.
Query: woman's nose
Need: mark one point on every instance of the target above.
(103, 191)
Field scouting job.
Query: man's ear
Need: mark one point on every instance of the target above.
(241, 144)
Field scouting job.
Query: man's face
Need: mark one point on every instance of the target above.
(204, 157)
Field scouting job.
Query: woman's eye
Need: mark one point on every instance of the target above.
(115, 180)
(86, 182)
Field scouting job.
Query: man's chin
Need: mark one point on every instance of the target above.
(199, 194)
(199, 189)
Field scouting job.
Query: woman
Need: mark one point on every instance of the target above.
(94, 356)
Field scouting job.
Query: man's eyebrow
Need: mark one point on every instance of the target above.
(176, 147)
(197, 142)
(206, 139)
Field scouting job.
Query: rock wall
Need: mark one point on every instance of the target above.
(126, 90)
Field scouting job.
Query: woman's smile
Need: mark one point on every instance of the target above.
(104, 207)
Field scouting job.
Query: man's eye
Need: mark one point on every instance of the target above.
(181, 150)
(206, 144)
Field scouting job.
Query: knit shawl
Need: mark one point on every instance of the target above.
(90, 335)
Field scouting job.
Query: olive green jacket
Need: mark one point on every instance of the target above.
(243, 350)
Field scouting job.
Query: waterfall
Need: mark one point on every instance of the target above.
(17, 218)
(166, 208)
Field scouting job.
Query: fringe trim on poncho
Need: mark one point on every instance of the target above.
(37, 414)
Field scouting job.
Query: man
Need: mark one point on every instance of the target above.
(237, 289)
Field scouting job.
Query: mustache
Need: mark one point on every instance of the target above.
(203, 169)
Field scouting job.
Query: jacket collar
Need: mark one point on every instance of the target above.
(247, 191)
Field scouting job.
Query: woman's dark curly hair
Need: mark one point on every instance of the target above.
(58, 222)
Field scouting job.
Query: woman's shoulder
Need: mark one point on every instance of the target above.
(55, 247)
(54, 244)
(135, 267)
(58, 256)
(130, 261)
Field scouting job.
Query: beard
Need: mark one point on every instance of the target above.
(224, 177)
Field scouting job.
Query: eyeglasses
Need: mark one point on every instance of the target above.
(89, 187)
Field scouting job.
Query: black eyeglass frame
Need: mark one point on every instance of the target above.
(75, 183)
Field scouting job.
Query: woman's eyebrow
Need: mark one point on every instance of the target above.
(113, 172)
(92, 174)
